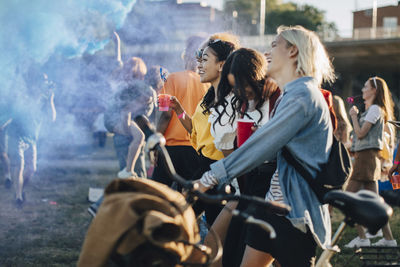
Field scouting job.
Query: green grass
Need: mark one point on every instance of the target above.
(49, 230)
(347, 257)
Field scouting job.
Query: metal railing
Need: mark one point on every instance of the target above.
(379, 33)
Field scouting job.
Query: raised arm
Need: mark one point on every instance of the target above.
(360, 132)
(180, 112)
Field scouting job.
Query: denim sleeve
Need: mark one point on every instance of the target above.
(290, 117)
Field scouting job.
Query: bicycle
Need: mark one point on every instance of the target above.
(363, 208)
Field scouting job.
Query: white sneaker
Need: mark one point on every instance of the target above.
(378, 234)
(358, 242)
(125, 174)
(385, 243)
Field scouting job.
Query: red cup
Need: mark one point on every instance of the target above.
(396, 181)
(244, 130)
(163, 102)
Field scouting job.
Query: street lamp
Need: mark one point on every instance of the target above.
(234, 17)
(374, 15)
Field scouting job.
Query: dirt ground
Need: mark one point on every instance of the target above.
(50, 228)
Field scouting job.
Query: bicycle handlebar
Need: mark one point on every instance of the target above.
(157, 142)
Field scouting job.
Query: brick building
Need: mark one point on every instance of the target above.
(387, 23)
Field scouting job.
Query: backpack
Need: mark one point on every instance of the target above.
(332, 175)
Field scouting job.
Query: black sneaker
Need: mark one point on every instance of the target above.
(8, 183)
(20, 201)
(92, 210)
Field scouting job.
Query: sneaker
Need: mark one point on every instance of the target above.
(8, 183)
(358, 242)
(124, 174)
(20, 201)
(385, 243)
(92, 210)
(378, 234)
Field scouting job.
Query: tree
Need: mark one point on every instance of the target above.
(278, 14)
(291, 14)
(248, 14)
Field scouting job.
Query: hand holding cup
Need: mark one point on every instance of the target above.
(164, 101)
(353, 111)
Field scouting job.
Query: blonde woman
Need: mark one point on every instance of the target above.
(301, 122)
(369, 128)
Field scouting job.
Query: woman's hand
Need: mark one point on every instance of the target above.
(175, 105)
(353, 111)
(395, 168)
(200, 187)
(254, 127)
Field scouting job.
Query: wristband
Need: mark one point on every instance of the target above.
(208, 179)
(182, 115)
(397, 162)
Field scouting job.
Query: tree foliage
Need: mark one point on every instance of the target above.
(277, 14)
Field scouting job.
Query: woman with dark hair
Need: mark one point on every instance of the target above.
(210, 64)
(250, 95)
(246, 92)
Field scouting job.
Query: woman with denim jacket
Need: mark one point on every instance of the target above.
(301, 122)
(367, 142)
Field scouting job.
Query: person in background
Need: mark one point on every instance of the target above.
(186, 87)
(396, 164)
(99, 130)
(118, 119)
(154, 79)
(5, 120)
(344, 128)
(367, 144)
(298, 62)
(132, 71)
(27, 114)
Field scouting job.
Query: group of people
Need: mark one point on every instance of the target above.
(281, 92)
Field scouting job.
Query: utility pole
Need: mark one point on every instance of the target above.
(262, 17)
(374, 18)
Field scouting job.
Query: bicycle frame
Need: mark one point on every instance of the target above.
(329, 252)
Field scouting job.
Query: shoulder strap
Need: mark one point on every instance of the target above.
(298, 167)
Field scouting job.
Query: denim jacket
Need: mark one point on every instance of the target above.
(301, 123)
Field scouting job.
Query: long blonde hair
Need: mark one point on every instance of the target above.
(312, 58)
(344, 127)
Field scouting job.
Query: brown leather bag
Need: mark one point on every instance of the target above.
(136, 213)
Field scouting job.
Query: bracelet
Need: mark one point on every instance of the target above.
(397, 162)
(182, 115)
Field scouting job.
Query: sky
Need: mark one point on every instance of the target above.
(338, 11)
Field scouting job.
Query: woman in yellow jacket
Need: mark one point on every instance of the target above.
(211, 60)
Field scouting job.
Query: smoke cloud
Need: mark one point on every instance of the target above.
(52, 36)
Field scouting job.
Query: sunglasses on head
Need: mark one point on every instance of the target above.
(214, 41)
(199, 53)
